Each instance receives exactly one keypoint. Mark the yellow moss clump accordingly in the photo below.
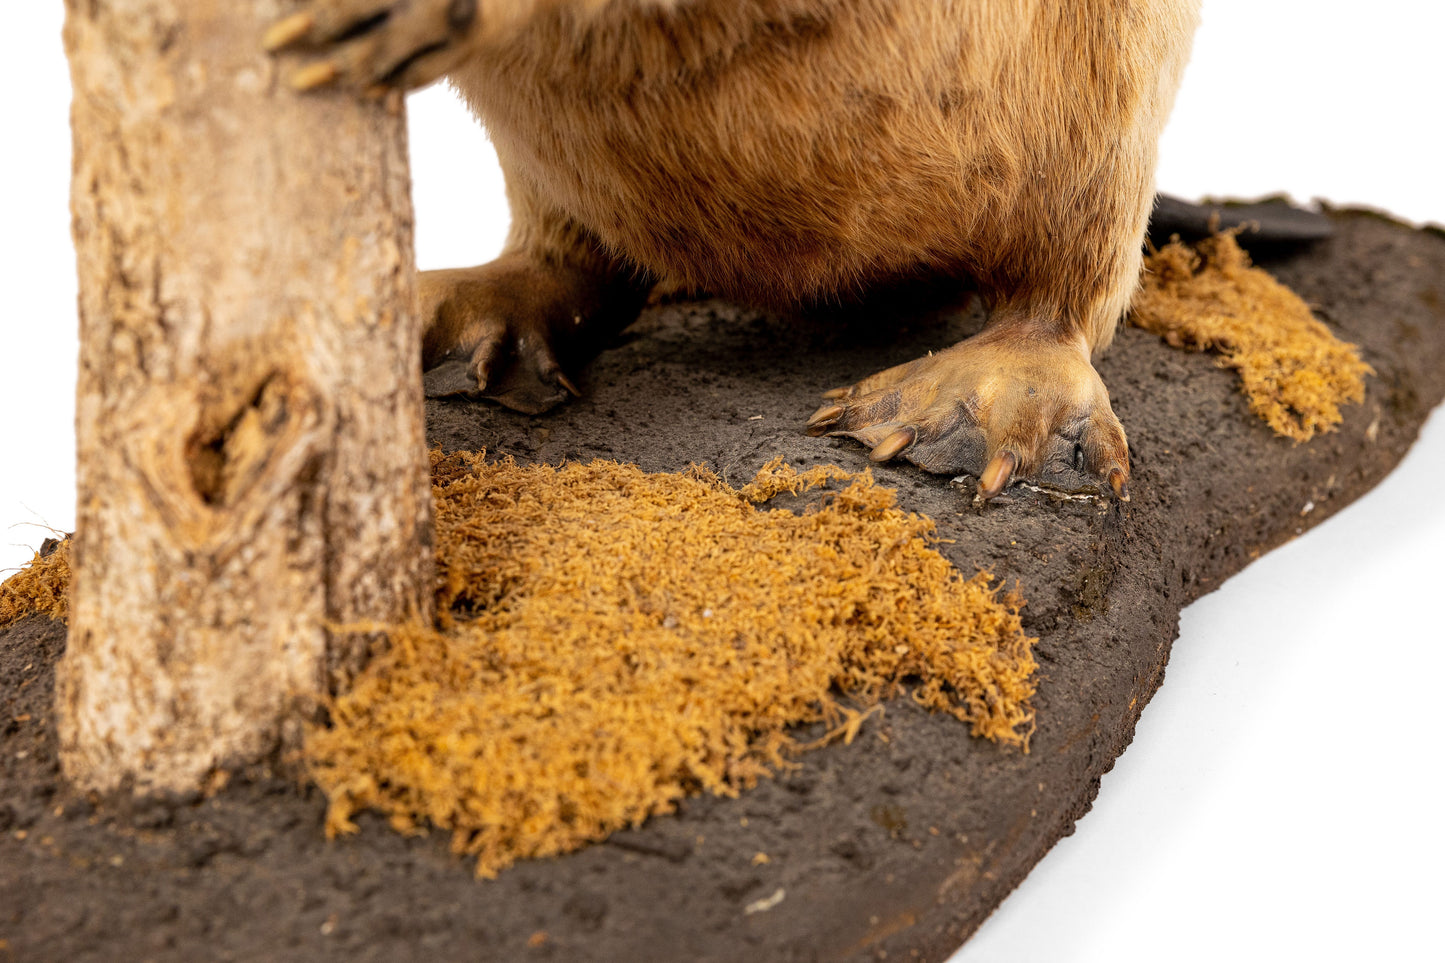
(40, 588)
(1295, 372)
(624, 639)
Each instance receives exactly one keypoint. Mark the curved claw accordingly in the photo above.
(1120, 484)
(893, 444)
(566, 383)
(484, 357)
(996, 476)
(314, 75)
(284, 33)
(824, 416)
(374, 46)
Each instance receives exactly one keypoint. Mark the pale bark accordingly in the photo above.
(251, 463)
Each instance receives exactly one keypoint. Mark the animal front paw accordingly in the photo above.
(375, 45)
(1007, 404)
(507, 330)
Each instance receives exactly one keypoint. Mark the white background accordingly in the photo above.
(1281, 799)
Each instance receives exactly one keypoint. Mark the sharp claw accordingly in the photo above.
(284, 33)
(825, 414)
(313, 76)
(566, 383)
(483, 355)
(1120, 484)
(834, 394)
(893, 444)
(996, 476)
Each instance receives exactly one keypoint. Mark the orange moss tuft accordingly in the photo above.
(612, 640)
(39, 588)
(623, 639)
(1295, 372)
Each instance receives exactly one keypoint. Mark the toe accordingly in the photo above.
(1089, 454)
(889, 378)
(950, 441)
(873, 418)
(549, 369)
(326, 22)
(896, 441)
(486, 356)
(314, 75)
(531, 382)
(566, 384)
(823, 420)
(289, 32)
(905, 418)
(867, 416)
(372, 45)
(997, 475)
(1106, 452)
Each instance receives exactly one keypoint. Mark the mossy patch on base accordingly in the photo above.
(41, 587)
(624, 639)
(1295, 372)
(611, 641)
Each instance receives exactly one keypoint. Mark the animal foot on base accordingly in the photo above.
(496, 331)
(1007, 405)
(509, 330)
(374, 45)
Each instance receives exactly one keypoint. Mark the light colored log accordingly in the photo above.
(251, 454)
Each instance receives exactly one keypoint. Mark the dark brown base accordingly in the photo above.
(902, 842)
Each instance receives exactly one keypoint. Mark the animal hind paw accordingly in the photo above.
(1005, 405)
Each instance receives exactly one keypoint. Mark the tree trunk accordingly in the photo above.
(251, 455)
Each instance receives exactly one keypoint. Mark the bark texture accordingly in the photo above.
(251, 470)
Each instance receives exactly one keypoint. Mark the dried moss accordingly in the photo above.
(611, 641)
(1294, 371)
(633, 638)
(41, 587)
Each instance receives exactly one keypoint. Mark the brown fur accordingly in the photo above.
(770, 150)
(774, 151)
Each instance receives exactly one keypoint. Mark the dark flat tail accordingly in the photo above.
(1272, 225)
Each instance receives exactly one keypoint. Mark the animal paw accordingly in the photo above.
(375, 45)
(1007, 404)
(505, 330)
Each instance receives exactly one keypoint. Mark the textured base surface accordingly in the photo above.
(900, 843)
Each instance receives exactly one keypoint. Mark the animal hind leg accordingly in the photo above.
(1021, 399)
(1058, 260)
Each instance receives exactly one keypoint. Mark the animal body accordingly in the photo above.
(781, 151)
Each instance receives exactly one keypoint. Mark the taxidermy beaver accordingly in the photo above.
(776, 152)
